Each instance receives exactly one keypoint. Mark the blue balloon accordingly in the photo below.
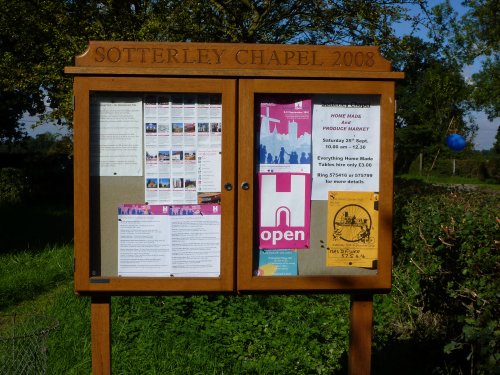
(456, 142)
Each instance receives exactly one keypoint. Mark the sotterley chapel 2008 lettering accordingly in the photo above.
(229, 56)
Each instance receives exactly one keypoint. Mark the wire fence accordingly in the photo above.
(23, 343)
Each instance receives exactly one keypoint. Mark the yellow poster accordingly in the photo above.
(352, 234)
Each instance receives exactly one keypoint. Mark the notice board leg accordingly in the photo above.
(100, 311)
(360, 343)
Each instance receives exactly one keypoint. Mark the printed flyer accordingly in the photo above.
(346, 144)
(169, 240)
(285, 134)
(352, 234)
(116, 137)
(278, 263)
(182, 148)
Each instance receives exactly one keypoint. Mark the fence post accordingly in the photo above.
(100, 312)
(360, 342)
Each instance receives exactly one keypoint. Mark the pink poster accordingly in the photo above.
(284, 221)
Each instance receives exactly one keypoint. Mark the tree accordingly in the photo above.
(23, 36)
(432, 101)
(478, 35)
(496, 146)
(274, 21)
(479, 29)
(486, 92)
(38, 38)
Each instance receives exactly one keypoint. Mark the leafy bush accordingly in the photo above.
(490, 169)
(446, 274)
(13, 186)
(230, 334)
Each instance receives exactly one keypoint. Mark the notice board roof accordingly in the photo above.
(232, 59)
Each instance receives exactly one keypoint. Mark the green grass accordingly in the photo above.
(70, 345)
(25, 275)
(40, 282)
(177, 335)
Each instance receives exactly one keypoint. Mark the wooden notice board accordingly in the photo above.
(232, 168)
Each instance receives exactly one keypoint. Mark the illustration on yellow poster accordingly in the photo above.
(352, 234)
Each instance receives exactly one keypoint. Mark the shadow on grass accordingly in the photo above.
(413, 357)
(32, 227)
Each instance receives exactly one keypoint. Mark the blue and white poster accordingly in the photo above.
(285, 134)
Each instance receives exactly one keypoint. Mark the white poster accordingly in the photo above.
(169, 240)
(144, 245)
(346, 144)
(116, 136)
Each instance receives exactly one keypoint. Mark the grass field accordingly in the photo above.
(178, 335)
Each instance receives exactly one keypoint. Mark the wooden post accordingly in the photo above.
(100, 311)
(360, 343)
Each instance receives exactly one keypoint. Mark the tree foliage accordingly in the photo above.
(486, 93)
(480, 29)
(432, 101)
(479, 37)
(23, 47)
(38, 38)
(496, 145)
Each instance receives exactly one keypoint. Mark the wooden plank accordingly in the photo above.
(360, 344)
(245, 176)
(100, 315)
(81, 152)
(217, 56)
(270, 73)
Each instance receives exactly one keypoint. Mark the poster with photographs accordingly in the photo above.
(182, 148)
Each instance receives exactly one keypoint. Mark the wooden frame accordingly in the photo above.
(85, 282)
(247, 282)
